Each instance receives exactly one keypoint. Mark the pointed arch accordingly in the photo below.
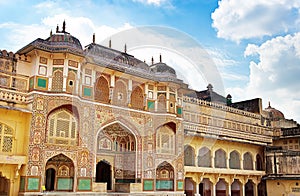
(165, 177)
(137, 98)
(189, 155)
(122, 145)
(120, 93)
(57, 80)
(101, 90)
(62, 126)
(71, 81)
(248, 161)
(234, 160)
(259, 163)
(165, 138)
(161, 102)
(59, 170)
(220, 159)
(204, 157)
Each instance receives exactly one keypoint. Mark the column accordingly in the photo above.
(243, 189)
(197, 189)
(129, 93)
(255, 189)
(213, 191)
(213, 161)
(242, 163)
(167, 99)
(49, 72)
(229, 189)
(227, 161)
(65, 73)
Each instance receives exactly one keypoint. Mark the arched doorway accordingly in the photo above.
(164, 177)
(117, 144)
(205, 187)
(221, 188)
(50, 179)
(235, 188)
(103, 173)
(59, 174)
(249, 188)
(4, 185)
(189, 187)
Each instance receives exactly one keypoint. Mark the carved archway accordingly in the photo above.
(165, 177)
(116, 142)
(59, 173)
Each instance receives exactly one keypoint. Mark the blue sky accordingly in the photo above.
(255, 45)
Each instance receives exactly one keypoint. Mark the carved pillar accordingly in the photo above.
(213, 191)
(243, 189)
(197, 189)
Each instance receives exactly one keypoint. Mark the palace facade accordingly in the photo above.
(96, 120)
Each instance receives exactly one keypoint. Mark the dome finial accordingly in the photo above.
(57, 28)
(160, 60)
(269, 104)
(152, 60)
(94, 38)
(125, 48)
(64, 27)
(109, 43)
(51, 33)
(210, 87)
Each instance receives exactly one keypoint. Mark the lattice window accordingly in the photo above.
(57, 80)
(137, 98)
(165, 139)
(62, 128)
(102, 90)
(6, 138)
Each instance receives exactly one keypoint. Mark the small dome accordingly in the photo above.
(274, 114)
(162, 68)
(62, 39)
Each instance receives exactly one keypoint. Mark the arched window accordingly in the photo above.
(248, 162)
(189, 155)
(62, 128)
(234, 160)
(204, 157)
(161, 100)
(6, 138)
(71, 81)
(57, 80)
(220, 159)
(137, 98)
(101, 90)
(165, 140)
(120, 94)
(259, 164)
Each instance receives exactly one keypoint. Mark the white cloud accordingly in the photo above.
(151, 2)
(80, 27)
(275, 75)
(236, 20)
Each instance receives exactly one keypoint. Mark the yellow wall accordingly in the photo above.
(283, 187)
(12, 164)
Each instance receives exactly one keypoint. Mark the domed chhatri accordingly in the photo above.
(61, 41)
(274, 113)
(162, 68)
